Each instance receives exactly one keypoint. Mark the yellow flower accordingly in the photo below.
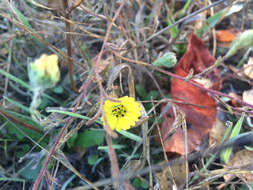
(44, 71)
(122, 115)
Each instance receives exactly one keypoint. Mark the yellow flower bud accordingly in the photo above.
(44, 72)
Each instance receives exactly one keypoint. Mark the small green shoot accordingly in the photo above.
(130, 136)
(139, 184)
(168, 60)
(76, 115)
(92, 159)
(213, 20)
(235, 132)
(244, 40)
(115, 146)
(182, 11)
(58, 90)
(173, 30)
(13, 179)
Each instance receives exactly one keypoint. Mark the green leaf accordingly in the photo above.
(235, 8)
(173, 30)
(92, 159)
(137, 183)
(167, 60)
(140, 90)
(154, 94)
(89, 138)
(71, 141)
(235, 132)
(58, 90)
(23, 150)
(31, 171)
(130, 136)
(213, 20)
(180, 48)
(244, 40)
(44, 103)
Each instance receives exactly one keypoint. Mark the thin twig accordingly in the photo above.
(91, 13)
(69, 44)
(75, 5)
(113, 159)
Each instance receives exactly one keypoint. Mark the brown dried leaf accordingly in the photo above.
(242, 160)
(247, 96)
(115, 73)
(201, 21)
(55, 4)
(217, 133)
(171, 175)
(248, 68)
(103, 64)
(204, 81)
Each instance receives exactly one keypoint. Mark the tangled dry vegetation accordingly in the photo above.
(110, 49)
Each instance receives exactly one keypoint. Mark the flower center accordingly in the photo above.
(119, 110)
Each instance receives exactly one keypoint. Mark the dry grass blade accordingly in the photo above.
(115, 72)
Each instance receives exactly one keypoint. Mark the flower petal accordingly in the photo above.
(128, 112)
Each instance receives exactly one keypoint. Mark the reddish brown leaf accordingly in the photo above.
(200, 108)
